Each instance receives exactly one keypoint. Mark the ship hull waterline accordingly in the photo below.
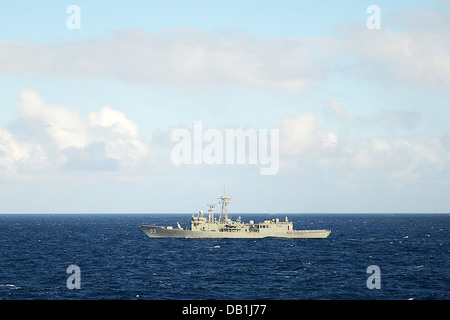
(164, 232)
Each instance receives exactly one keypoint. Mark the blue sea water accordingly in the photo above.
(118, 261)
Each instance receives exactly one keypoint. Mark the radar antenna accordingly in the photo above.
(211, 212)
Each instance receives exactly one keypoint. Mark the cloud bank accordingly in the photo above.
(174, 56)
(189, 56)
(52, 138)
(57, 137)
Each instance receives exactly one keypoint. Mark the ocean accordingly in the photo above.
(116, 260)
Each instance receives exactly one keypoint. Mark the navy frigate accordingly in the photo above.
(202, 226)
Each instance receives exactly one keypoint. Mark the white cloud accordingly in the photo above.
(189, 56)
(304, 137)
(420, 55)
(334, 110)
(120, 135)
(114, 120)
(106, 140)
(62, 125)
(18, 156)
(305, 143)
(174, 56)
(58, 136)
(402, 119)
(398, 158)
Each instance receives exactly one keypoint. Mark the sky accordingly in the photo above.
(352, 96)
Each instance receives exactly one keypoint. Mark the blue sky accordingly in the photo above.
(86, 115)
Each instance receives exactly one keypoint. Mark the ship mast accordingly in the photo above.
(225, 201)
(211, 212)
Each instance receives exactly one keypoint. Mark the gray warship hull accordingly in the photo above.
(165, 232)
